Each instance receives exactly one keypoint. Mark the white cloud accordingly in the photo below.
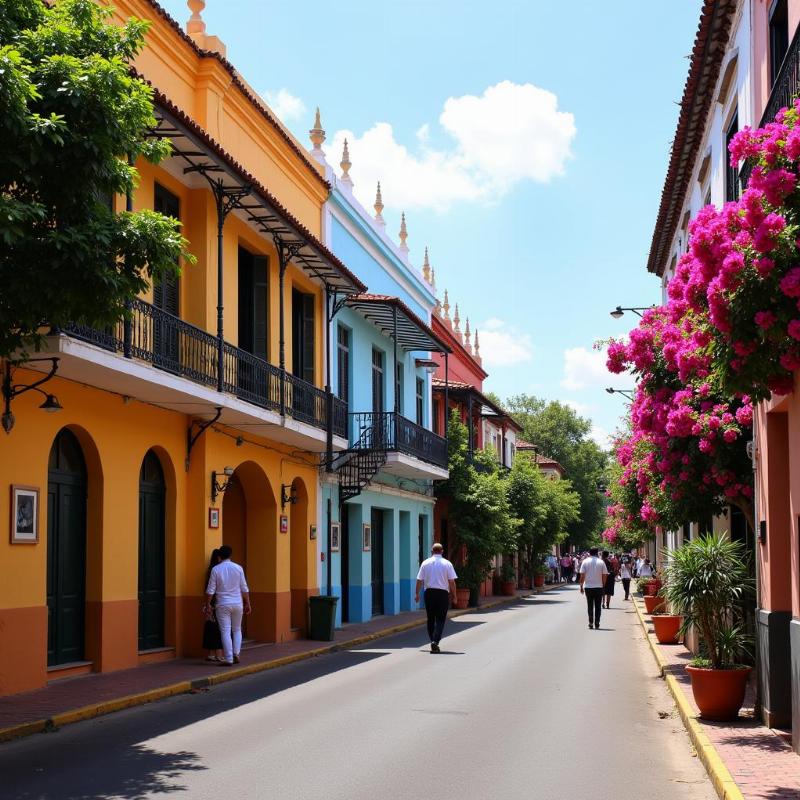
(286, 106)
(510, 133)
(503, 345)
(584, 368)
(601, 436)
(579, 408)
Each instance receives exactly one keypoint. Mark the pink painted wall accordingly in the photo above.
(760, 34)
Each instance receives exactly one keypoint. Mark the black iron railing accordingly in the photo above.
(173, 345)
(388, 431)
(784, 91)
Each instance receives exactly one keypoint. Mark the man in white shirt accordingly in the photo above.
(593, 581)
(228, 584)
(437, 576)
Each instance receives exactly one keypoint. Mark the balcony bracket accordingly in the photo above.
(191, 438)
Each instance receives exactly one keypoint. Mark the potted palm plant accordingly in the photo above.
(540, 571)
(653, 603)
(508, 578)
(706, 581)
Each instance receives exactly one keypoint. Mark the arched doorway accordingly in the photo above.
(66, 550)
(152, 552)
(298, 555)
(249, 517)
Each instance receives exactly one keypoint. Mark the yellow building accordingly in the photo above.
(115, 502)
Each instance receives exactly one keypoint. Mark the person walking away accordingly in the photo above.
(593, 580)
(228, 585)
(625, 575)
(438, 578)
(566, 568)
(611, 578)
(575, 567)
(212, 641)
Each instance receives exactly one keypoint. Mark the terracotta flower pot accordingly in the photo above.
(653, 587)
(508, 588)
(462, 598)
(651, 602)
(719, 693)
(666, 627)
(538, 580)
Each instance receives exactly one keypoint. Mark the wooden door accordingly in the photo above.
(66, 551)
(152, 553)
(377, 562)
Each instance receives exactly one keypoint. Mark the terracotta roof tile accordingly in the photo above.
(709, 49)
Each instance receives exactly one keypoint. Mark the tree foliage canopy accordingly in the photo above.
(560, 433)
(73, 116)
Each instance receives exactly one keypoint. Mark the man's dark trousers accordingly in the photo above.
(594, 602)
(437, 601)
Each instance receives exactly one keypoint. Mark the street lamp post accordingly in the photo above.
(619, 311)
(624, 392)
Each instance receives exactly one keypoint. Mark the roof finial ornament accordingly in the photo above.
(345, 165)
(317, 135)
(403, 233)
(426, 267)
(467, 342)
(457, 324)
(433, 279)
(437, 309)
(196, 29)
(379, 207)
(196, 23)
(446, 307)
(477, 350)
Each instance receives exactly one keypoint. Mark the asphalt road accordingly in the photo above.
(523, 702)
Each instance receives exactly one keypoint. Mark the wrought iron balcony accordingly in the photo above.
(784, 91)
(175, 346)
(388, 431)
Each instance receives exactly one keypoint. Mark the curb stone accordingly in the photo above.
(57, 721)
(721, 778)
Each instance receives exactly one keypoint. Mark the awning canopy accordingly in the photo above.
(459, 390)
(395, 319)
(241, 192)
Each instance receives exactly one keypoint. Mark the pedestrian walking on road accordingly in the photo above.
(228, 586)
(611, 578)
(212, 641)
(625, 575)
(438, 578)
(593, 580)
(566, 568)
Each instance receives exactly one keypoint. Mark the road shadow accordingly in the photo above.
(106, 758)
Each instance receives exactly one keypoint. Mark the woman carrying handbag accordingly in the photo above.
(212, 641)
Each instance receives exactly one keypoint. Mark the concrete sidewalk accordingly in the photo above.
(745, 760)
(74, 699)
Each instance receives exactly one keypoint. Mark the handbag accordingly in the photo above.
(212, 639)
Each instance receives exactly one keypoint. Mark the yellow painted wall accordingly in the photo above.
(202, 87)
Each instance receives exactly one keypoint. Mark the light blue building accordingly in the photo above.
(378, 496)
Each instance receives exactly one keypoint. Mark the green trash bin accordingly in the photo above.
(322, 611)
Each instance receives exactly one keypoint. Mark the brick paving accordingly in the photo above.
(761, 762)
(70, 694)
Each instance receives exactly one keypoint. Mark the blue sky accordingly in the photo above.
(538, 222)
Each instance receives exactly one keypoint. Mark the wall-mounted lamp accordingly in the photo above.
(12, 390)
(288, 495)
(218, 487)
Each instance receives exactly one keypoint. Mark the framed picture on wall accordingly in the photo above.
(213, 518)
(366, 534)
(336, 536)
(312, 532)
(24, 514)
(284, 523)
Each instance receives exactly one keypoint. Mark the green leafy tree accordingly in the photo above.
(560, 433)
(546, 508)
(73, 116)
(479, 507)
